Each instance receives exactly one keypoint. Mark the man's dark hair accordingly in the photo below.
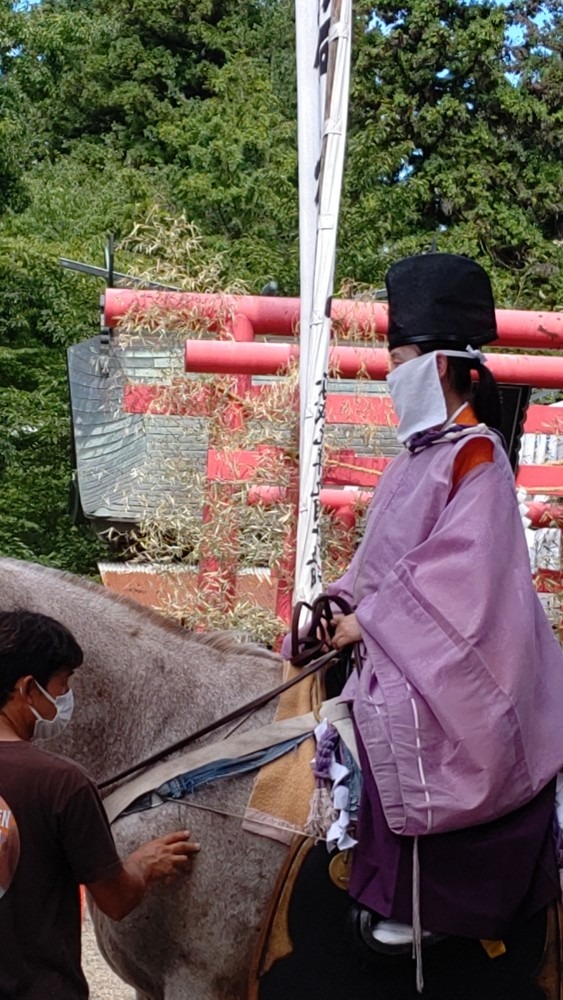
(34, 644)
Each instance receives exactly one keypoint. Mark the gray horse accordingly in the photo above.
(147, 683)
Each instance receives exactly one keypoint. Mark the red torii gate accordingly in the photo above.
(243, 318)
(279, 316)
(233, 358)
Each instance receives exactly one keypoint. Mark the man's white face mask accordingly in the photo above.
(49, 729)
(418, 399)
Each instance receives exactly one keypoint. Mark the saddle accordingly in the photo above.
(310, 949)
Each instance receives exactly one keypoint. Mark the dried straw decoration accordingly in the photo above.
(193, 522)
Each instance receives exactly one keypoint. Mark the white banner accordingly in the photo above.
(323, 35)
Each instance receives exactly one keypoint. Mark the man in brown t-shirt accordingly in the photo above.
(54, 834)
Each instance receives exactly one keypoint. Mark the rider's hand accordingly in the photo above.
(347, 630)
(324, 637)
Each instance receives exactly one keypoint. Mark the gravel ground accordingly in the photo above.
(101, 980)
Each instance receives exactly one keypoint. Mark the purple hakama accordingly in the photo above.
(480, 882)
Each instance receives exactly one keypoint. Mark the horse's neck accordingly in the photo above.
(143, 684)
(160, 688)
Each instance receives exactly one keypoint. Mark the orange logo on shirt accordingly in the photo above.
(9, 846)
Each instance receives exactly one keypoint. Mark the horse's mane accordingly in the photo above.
(222, 640)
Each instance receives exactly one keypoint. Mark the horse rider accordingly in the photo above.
(458, 702)
(54, 834)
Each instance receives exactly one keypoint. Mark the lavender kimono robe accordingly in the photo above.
(459, 706)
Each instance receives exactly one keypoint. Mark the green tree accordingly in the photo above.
(35, 461)
(12, 188)
(456, 137)
(111, 68)
(232, 164)
(198, 97)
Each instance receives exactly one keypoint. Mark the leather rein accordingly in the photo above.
(306, 652)
(250, 706)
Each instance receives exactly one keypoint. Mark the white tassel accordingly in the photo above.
(321, 813)
(416, 923)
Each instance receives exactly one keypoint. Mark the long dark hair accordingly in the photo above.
(483, 393)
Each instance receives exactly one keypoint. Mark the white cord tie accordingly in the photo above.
(473, 352)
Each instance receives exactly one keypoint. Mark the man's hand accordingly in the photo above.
(160, 860)
(347, 630)
(166, 857)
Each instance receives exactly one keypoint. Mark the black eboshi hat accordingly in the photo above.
(440, 297)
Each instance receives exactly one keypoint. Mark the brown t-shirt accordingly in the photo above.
(54, 836)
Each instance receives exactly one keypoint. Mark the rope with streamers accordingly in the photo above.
(322, 812)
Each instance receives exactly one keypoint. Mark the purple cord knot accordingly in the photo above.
(326, 747)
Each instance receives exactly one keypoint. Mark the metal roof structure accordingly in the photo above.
(127, 462)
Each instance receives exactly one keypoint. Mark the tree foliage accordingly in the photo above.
(35, 461)
(110, 69)
(12, 188)
(456, 137)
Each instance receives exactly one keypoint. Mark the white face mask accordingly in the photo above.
(49, 729)
(418, 399)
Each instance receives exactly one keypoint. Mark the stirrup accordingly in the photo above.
(388, 937)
